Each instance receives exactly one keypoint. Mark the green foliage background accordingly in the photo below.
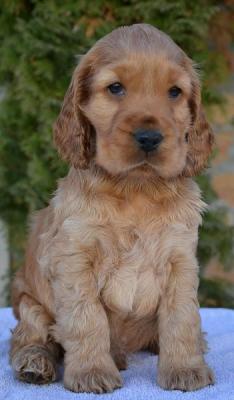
(40, 43)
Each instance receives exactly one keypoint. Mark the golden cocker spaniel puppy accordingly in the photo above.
(111, 265)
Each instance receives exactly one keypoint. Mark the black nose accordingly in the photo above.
(148, 139)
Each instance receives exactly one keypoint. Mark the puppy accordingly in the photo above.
(111, 263)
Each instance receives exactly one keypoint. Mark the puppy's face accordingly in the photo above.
(137, 96)
(139, 108)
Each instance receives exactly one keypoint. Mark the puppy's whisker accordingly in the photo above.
(125, 131)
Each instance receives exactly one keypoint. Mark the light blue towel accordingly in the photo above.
(139, 380)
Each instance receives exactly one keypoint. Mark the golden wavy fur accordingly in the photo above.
(111, 263)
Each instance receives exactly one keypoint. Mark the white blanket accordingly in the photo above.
(139, 380)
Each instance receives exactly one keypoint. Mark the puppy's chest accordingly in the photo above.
(133, 267)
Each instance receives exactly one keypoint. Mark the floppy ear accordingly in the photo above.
(200, 136)
(72, 130)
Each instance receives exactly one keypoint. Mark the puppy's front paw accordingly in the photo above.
(186, 379)
(95, 380)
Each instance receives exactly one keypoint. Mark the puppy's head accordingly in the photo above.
(134, 106)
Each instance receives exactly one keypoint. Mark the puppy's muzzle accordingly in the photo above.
(148, 139)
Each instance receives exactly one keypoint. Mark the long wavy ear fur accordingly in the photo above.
(200, 135)
(72, 130)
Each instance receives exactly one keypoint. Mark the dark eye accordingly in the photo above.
(116, 89)
(174, 92)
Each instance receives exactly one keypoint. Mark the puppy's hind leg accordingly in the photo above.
(33, 352)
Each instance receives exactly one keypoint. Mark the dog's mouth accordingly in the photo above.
(141, 167)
